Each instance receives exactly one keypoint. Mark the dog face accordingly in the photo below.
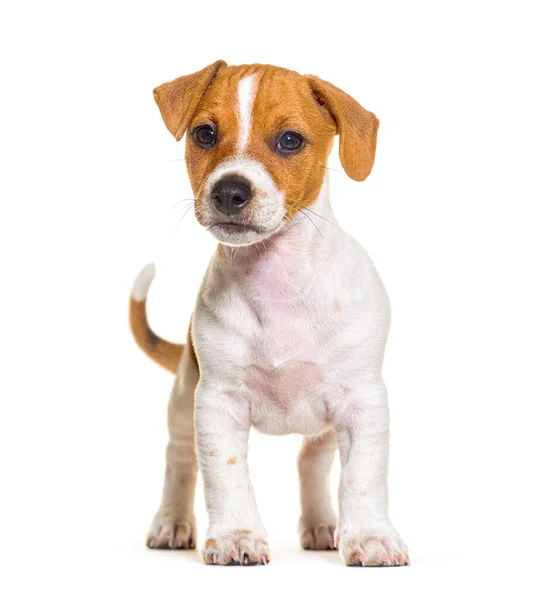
(257, 142)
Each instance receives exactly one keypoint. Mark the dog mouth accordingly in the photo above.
(240, 234)
(231, 228)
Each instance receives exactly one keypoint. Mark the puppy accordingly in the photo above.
(290, 324)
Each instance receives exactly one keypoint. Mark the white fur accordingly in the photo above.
(142, 282)
(246, 96)
(300, 328)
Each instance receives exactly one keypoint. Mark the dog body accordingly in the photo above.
(304, 320)
(290, 325)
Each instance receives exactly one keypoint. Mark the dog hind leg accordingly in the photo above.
(174, 524)
(318, 520)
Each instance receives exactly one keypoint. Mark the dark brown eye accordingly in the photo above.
(205, 136)
(290, 142)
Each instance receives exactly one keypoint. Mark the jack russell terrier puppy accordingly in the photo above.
(290, 324)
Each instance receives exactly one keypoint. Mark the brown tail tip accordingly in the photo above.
(161, 351)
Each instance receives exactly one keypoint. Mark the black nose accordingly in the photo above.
(230, 195)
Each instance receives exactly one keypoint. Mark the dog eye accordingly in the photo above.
(205, 136)
(290, 142)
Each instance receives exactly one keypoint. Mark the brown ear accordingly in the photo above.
(177, 100)
(357, 128)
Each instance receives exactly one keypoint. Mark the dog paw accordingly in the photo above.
(372, 549)
(238, 547)
(167, 532)
(317, 537)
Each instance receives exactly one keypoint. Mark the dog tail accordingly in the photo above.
(159, 350)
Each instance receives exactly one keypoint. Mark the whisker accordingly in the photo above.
(182, 217)
(233, 254)
(306, 215)
(183, 200)
(319, 216)
(257, 246)
(330, 169)
(264, 246)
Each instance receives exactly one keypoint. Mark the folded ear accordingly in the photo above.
(357, 128)
(177, 100)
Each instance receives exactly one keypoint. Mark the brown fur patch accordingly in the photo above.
(177, 100)
(161, 351)
(357, 128)
(243, 532)
(231, 460)
(210, 543)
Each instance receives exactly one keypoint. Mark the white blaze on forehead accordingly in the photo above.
(246, 94)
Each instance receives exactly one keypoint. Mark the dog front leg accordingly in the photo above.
(236, 534)
(365, 535)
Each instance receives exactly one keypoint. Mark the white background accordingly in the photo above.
(456, 216)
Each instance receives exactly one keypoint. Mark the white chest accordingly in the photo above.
(284, 330)
(286, 376)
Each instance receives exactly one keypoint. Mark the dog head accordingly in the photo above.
(257, 141)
